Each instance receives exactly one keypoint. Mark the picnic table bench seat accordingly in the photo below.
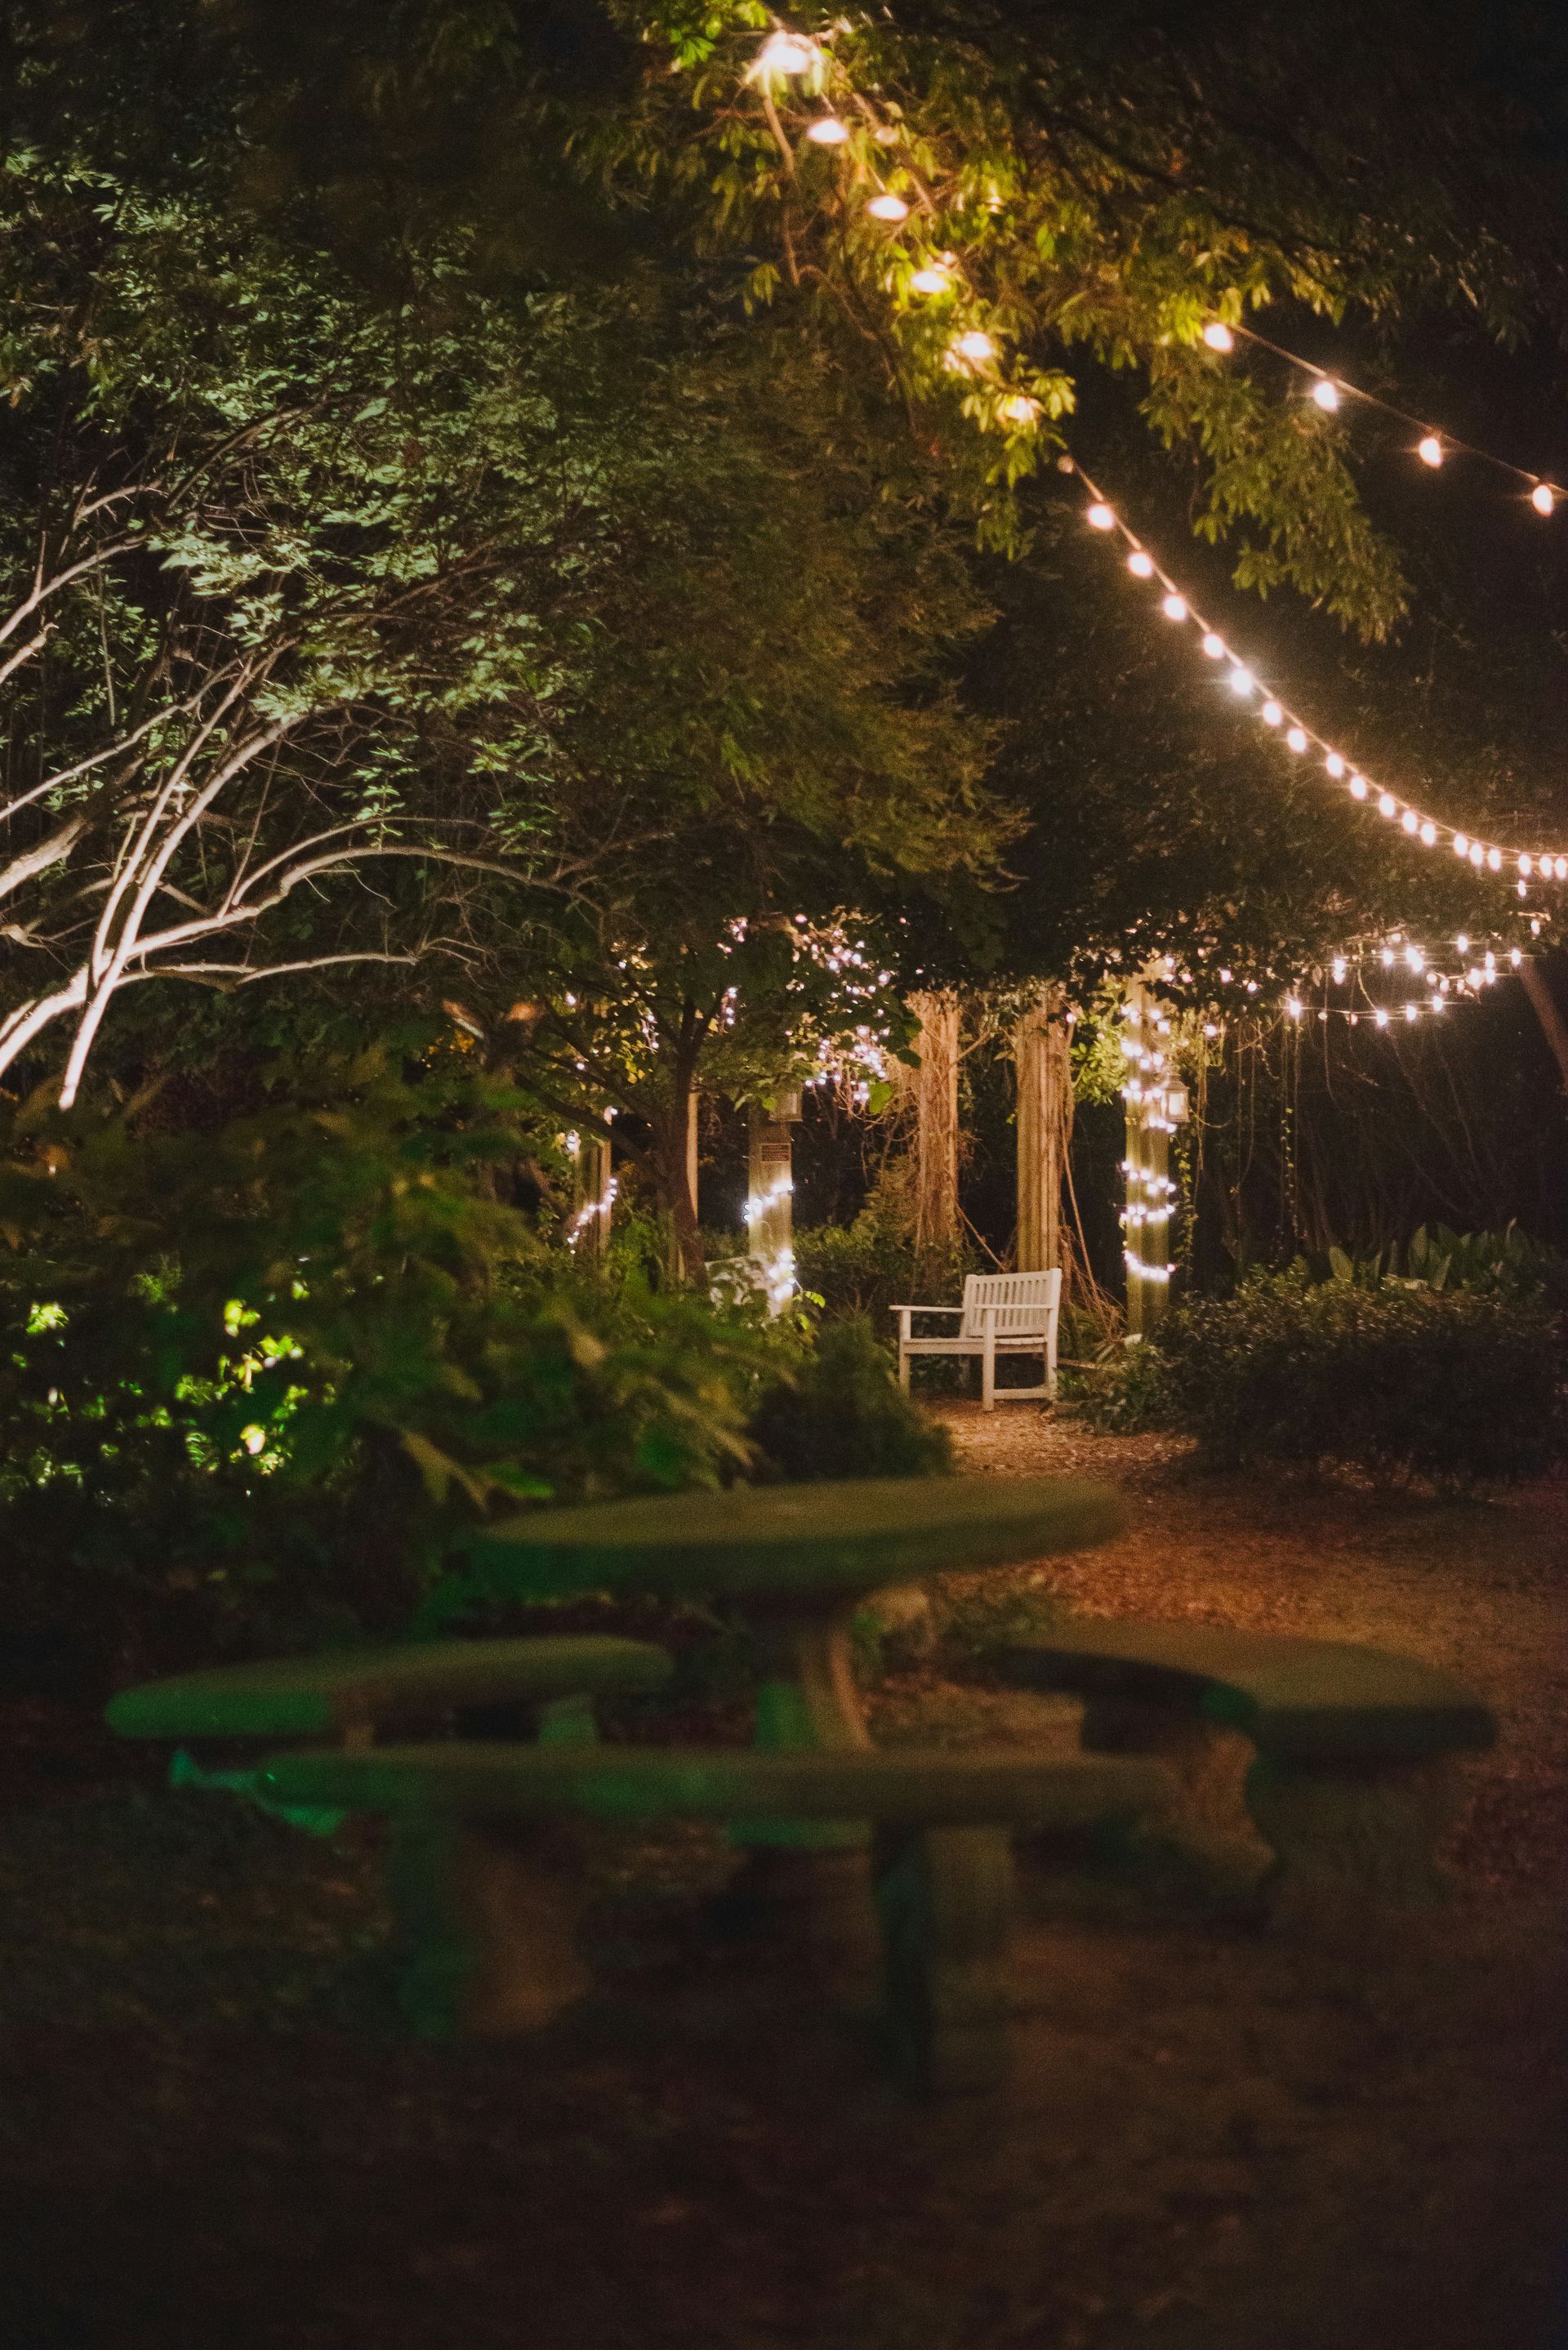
(349, 1693)
(1353, 1780)
(493, 1909)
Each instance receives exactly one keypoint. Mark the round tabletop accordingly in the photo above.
(802, 1546)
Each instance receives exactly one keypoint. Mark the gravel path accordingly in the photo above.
(212, 2132)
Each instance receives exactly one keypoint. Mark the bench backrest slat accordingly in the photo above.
(1024, 1303)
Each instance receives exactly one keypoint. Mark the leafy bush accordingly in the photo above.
(257, 1385)
(1460, 1386)
(267, 1375)
(840, 1412)
(1438, 1258)
(865, 1268)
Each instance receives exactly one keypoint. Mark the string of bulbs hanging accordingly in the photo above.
(1527, 865)
(786, 57)
(1433, 447)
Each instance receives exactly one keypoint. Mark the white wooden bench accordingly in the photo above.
(1001, 1314)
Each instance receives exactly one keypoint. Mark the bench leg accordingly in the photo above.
(946, 1895)
(1350, 1842)
(988, 1377)
(1207, 1765)
(486, 1917)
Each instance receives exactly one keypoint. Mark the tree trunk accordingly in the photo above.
(1043, 1059)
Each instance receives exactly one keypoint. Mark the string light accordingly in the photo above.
(1431, 445)
(1414, 822)
(785, 56)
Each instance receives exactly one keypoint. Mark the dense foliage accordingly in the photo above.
(1459, 1382)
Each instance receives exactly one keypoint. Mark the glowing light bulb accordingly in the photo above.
(1293, 1005)
(1297, 739)
(1218, 335)
(1415, 958)
(887, 207)
(1494, 860)
(1241, 682)
(1272, 716)
(1562, 868)
(1326, 394)
(1334, 765)
(1478, 854)
(1339, 970)
(1412, 1010)
(1140, 565)
(975, 347)
(828, 131)
(1019, 409)
(1213, 646)
(1429, 832)
(1462, 848)
(1359, 788)
(785, 53)
(1410, 821)
(1173, 607)
(1429, 450)
(1462, 942)
(1526, 866)
(1099, 517)
(1382, 1018)
(1514, 957)
(1385, 957)
(932, 279)
(1541, 499)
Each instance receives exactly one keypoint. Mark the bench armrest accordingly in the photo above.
(924, 1309)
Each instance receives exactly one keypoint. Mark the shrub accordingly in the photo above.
(872, 1264)
(840, 1412)
(1458, 1386)
(260, 1380)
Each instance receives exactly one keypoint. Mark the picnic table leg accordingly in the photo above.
(486, 1915)
(945, 1896)
(807, 1882)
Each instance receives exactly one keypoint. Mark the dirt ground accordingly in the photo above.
(212, 2132)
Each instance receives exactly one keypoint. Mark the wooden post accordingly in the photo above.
(770, 1188)
(1043, 1065)
(1146, 1221)
(691, 1099)
(935, 1124)
(593, 1193)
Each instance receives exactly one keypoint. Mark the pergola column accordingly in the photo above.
(593, 1193)
(769, 1215)
(936, 1088)
(1042, 1058)
(1154, 1103)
